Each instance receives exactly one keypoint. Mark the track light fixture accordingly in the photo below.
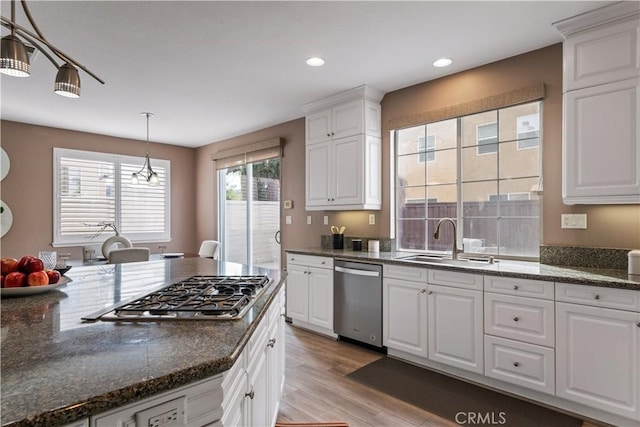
(14, 60)
(146, 172)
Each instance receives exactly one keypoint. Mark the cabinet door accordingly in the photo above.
(347, 160)
(404, 316)
(598, 358)
(258, 396)
(321, 297)
(347, 119)
(318, 177)
(601, 144)
(318, 127)
(298, 293)
(455, 327)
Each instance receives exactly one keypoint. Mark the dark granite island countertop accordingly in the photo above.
(57, 368)
(520, 269)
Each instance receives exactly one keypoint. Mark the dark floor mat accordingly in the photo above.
(456, 400)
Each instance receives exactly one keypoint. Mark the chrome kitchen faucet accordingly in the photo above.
(436, 235)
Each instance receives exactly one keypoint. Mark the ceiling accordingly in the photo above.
(212, 70)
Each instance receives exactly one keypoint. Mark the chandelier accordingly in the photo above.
(146, 172)
(14, 60)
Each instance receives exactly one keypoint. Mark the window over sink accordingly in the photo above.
(482, 170)
(91, 188)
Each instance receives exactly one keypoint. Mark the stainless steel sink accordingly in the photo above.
(436, 259)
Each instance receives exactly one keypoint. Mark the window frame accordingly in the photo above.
(460, 218)
(117, 159)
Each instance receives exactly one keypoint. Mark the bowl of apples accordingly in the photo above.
(28, 276)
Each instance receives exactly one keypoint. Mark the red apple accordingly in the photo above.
(1, 281)
(8, 265)
(15, 280)
(22, 264)
(38, 278)
(54, 276)
(33, 265)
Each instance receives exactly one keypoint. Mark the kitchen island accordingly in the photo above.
(58, 369)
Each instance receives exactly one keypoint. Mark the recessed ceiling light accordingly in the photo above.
(315, 61)
(442, 62)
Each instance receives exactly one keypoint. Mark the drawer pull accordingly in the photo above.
(516, 364)
(430, 292)
(638, 325)
(597, 297)
(515, 319)
(422, 291)
(271, 342)
(250, 395)
(515, 287)
(324, 262)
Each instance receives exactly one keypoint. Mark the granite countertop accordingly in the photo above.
(507, 268)
(57, 368)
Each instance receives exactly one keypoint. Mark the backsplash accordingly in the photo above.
(616, 259)
(386, 245)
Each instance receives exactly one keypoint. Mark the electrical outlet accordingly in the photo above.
(325, 220)
(308, 219)
(574, 221)
(372, 219)
(167, 419)
(288, 219)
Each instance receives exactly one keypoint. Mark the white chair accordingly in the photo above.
(120, 256)
(209, 249)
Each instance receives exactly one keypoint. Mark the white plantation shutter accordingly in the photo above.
(91, 187)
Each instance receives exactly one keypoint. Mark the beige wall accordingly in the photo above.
(608, 226)
(28, 190)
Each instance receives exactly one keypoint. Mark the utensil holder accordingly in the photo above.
(356, 244)
(338, 241)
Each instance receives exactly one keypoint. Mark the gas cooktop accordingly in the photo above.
(195, 298)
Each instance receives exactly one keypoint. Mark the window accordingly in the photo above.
(427, 147)
(487, 138)
(493, 198)
(91, 187)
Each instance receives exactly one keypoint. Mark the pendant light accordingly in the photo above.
(146, 172)
(14, 60)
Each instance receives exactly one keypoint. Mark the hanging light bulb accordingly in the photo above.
(146, 172)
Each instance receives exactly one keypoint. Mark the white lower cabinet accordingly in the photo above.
(404, 316)
(310, 292)
(455, 327)
(598, 358)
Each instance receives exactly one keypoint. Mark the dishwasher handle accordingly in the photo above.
(357, 272)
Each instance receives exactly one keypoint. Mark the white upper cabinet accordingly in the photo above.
(601, 106)
(343, 151)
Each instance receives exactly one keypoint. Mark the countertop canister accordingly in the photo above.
(374, 246)
(634, 262)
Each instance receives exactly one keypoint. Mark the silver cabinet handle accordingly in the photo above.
(324, 262)
(271, 342)
(356, 272)
(429, 292)
(597, 297)
(516, 364)
(422, 291)
(250, 395)
(515, 288)
(638, 325)
(515, 319)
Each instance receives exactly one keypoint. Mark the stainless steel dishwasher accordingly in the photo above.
(357, 297)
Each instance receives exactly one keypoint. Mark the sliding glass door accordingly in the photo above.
(249, 213)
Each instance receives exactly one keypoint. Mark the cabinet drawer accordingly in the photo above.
(310, 260)
(622, 299)
(455, 279)
(526, 365)
(524, 319)
(413, 274)
(520, 287)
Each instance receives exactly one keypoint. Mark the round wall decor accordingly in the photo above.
(5, 164)
(6, 218)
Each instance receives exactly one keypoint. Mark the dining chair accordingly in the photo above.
(120, 256)
(209, 249)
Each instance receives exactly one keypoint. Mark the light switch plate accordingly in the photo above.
(372, 219)
(574, 221)
(326, 220)
(308, 219)
(288, 219)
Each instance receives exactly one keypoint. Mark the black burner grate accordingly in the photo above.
(218, 296)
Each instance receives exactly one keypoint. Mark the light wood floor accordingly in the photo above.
(317, 389)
